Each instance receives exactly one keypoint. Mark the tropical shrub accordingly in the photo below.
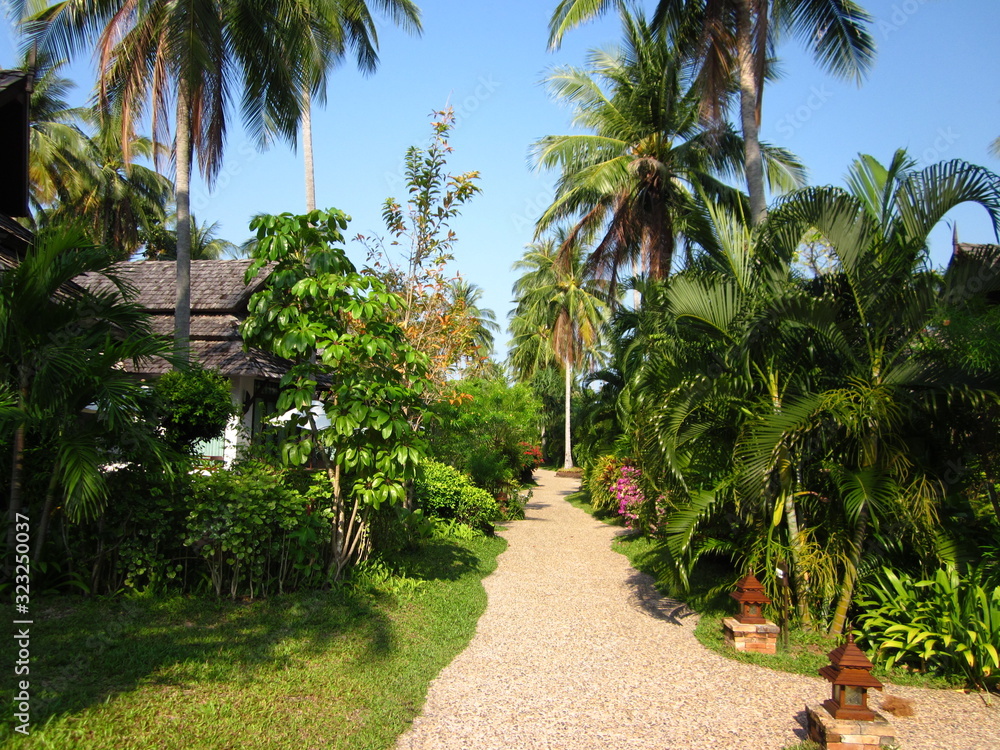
(629, 494)
(254, 533)
(446, 493)
(948, 625)
(600, 482)
(249, 531)
(337, 326)
(194, 404)
(531, 459)
(481, 429)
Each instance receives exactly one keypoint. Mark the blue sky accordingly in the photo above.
(934, 90)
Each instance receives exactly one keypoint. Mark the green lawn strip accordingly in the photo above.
(344, 669)
(805, 651)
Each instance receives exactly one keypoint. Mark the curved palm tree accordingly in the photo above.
(637, 180)
(191, 53)
(558, 319)
(733, 39)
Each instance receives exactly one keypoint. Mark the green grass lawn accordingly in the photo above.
(347, 668)
(800, 652)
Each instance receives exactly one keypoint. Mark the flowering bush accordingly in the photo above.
(531, 455)
(629, 494)
(531, 459)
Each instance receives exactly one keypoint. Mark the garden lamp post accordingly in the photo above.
(850, 673)
(750, 594)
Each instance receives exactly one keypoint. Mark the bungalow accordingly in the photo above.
(219, 299)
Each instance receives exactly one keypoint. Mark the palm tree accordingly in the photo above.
(58, 146)
(482, 322)
(558, 318)
(730, 39)
(161, 243)
(325, 29)
(639, 177)
(61, 349)
(874, 317)
(192, 53)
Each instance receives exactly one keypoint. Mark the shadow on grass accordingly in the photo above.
(85, 651)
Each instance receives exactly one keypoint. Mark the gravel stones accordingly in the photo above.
(576, 651)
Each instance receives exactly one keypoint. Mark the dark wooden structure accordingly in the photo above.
(850, 673)
(751, 597)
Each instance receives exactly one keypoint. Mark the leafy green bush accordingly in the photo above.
(445, 492)
(600, 482)
(948, 625)
(255, 533)
(482, 429)
(193, 404)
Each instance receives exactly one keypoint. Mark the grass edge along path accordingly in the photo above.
(343, 669)
(805, 652)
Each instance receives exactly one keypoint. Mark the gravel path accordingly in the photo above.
(577, 652)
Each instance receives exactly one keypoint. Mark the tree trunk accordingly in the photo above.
(182, 313)
(749, 90)
(795, 552)
(43, 522)
(850, 573)
(307, 152)
(568, 451)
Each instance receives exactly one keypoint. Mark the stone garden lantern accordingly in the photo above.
(749, 631)
(850, 671)
(750, 594)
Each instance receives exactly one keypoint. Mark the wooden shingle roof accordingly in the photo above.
(216, 285)
(219, 300)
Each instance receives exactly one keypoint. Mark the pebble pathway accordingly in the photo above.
(576, 651)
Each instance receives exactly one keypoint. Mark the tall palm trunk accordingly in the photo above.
(307, 152)
(749, 98)
(568, 452)
(182, 313)
(850, 573)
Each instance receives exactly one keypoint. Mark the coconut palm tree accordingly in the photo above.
(77, 172)
(637, 179)
(190, 53)
(161, 243)
(558, 318)
(734, 39)
(482, 322)
(322, 33)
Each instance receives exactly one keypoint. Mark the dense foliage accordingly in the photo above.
(194, 404)
(350, 361)
(485, 427)
(446, 493)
